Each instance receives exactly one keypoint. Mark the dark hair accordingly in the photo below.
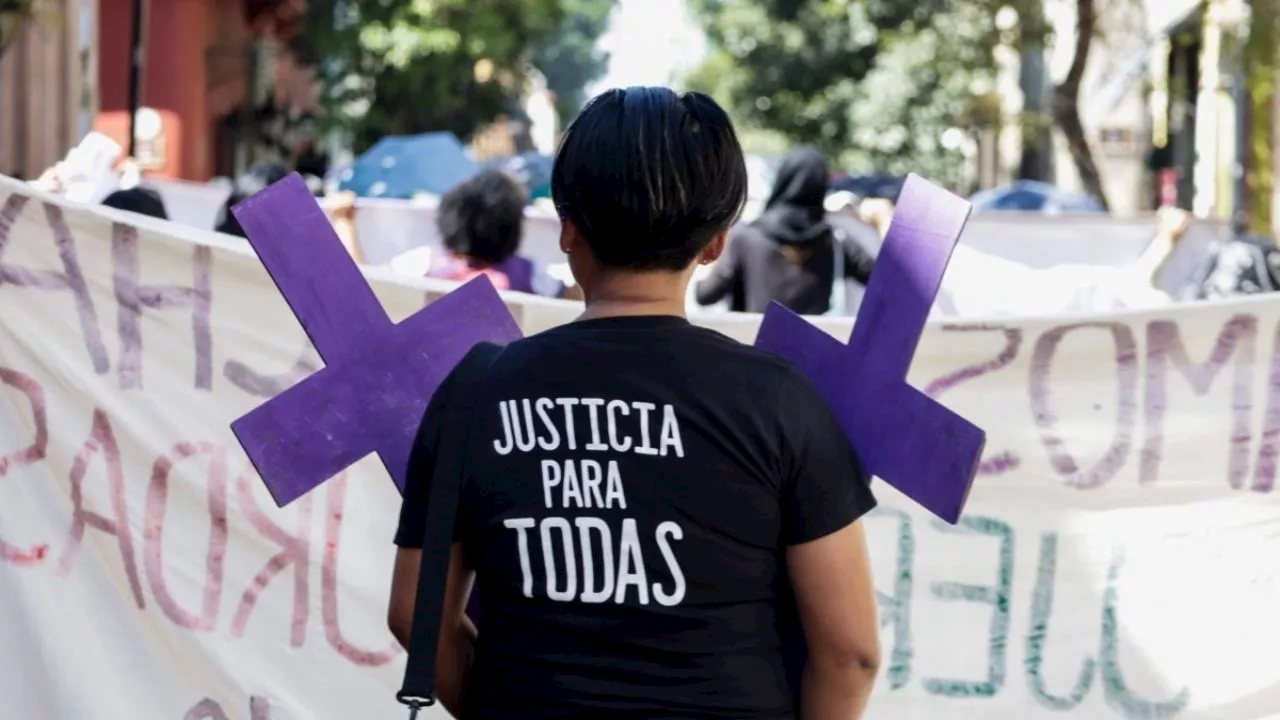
(257, 178)
(649, 177)
(143, 201)
(482, 218)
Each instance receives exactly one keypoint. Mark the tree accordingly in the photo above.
(281, 18)
(569, 59)
(878, 84)
(397, 67)
(1029, 36)
(14, 15)
(1262, 58)
(1066, 103)
(788, 66)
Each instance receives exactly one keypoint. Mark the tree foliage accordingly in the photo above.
(1262, 57)
(392, 67)
(793, 67)
(569, 59)
(15, 14)
(1066, 104)
(878, 83)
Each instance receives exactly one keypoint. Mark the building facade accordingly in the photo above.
(44, 101)
(219, 92)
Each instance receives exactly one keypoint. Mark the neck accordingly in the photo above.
(620, 295)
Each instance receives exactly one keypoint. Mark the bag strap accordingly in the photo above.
(837, 302)
(419, 688)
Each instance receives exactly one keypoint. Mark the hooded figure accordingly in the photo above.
(789, 254)
(794, 215)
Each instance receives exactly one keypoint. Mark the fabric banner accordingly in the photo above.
(1118, 557)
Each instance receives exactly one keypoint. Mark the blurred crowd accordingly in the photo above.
(809, 243)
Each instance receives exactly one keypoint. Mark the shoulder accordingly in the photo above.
(746, 234)
(751, 357)
(765, 377)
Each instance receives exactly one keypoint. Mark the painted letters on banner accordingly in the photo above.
(1118, 557)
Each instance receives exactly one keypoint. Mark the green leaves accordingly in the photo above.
(410, 66)
(14, 15)
(876, 83)
(569, 58)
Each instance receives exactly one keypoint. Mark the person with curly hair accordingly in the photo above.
(481, 222)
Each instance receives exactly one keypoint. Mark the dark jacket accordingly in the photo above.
(788, 254)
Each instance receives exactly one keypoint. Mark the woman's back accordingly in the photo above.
(631, 488)
(788, 254)
(633, 484)
(800, 278)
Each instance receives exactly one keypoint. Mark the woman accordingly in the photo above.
(481, 222)
(646, 502)
(790, 253)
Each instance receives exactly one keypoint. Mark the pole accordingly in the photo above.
(1243, 111)
(135, 75)
(1036, 162)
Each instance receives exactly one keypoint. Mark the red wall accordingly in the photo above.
(174, 77)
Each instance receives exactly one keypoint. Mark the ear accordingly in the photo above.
(570, 238)
(714, 249)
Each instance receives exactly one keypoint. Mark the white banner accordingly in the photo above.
(1118, 558)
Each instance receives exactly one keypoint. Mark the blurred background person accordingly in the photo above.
(342, 214)
(1248, 264)
(310, 161)
(481, 222)
(257, 178)
(791, 254)
(141, 200)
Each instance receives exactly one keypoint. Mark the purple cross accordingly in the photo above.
(902, 436)
(378, 375)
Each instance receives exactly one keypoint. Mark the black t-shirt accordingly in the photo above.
(666, 467)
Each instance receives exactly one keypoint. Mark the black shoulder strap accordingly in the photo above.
(419, 686)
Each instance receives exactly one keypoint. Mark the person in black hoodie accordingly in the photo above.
(788, 254)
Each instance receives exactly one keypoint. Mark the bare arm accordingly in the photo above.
(457, 634)
(831, 577)
(344, 224)
(825, 493)
(1171, 226)
(346, 230)
(878, 213)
